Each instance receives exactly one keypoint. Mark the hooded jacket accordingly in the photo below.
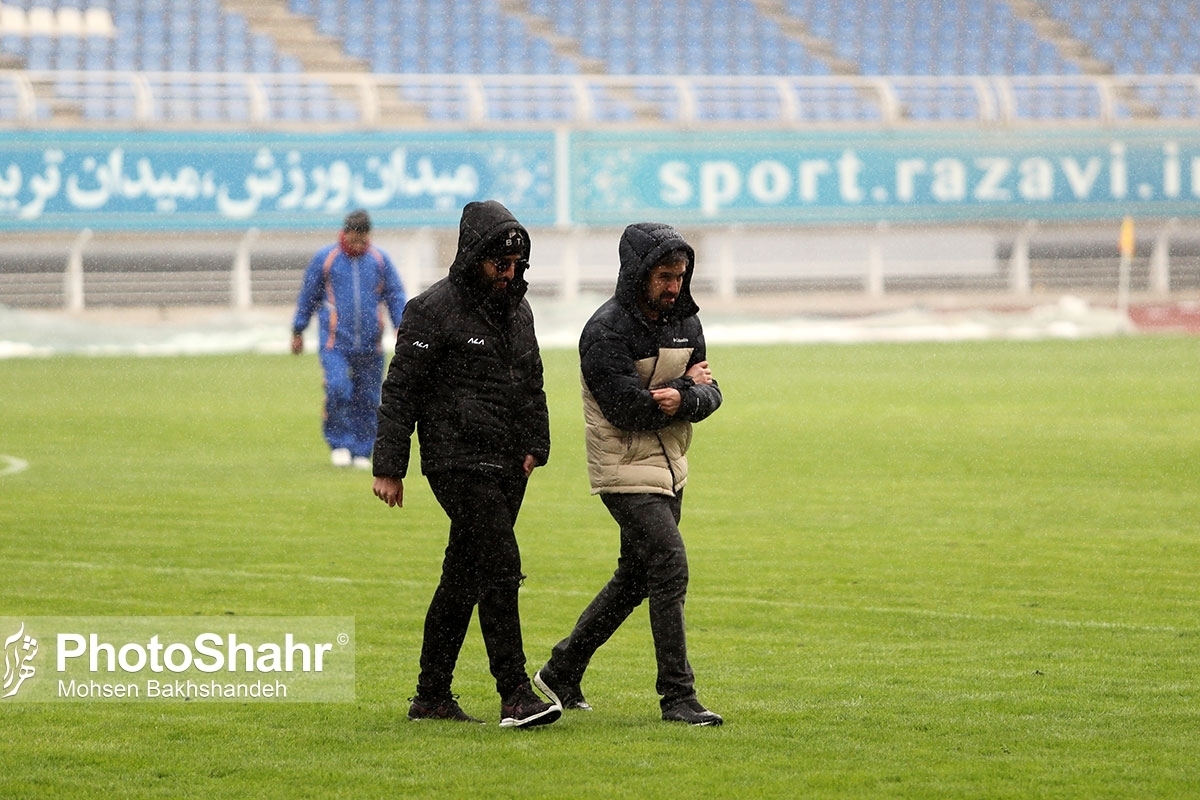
(467, 372)
(632, 445)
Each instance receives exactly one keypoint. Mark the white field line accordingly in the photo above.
(12, 465)
(958, 615)
(539, 590)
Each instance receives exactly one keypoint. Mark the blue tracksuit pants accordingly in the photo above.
(352, 386)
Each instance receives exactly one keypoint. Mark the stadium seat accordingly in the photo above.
(262, 53)
(68, 54)
(634, 37)
(69, 21)
(40, 21)
(40, 53)
(328, 18)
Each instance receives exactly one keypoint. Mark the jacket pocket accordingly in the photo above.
(638, 447)
(483, 423)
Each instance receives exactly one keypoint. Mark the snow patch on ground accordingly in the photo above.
(169, 332)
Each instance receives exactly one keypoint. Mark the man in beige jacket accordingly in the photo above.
(645, 381)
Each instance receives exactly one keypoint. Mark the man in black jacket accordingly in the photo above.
(467, 375)
(645, 381)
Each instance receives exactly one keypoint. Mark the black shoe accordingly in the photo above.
(447, 709)
(691, 712)
(567, 697)
(523, 709)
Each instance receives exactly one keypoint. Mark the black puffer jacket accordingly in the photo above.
(467, 372)
(632, 445)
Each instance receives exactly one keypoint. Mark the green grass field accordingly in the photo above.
(921, 570)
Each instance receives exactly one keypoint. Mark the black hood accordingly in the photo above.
(642, 246)
(482, 225)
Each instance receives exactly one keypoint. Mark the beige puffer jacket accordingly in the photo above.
(636, 462)
(633, 447)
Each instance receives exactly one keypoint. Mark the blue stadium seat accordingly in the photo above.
(383, 55)
(235, 54)
(69, 53)
(13, 45)
(409, 57)
(97, 53)
(262, 53)
(435, 58)
(328, 18)
(40, 53)
(723, 37)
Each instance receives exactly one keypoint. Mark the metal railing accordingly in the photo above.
(367, 100)
(114, 270)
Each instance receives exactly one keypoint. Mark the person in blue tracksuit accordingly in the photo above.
(345, 285)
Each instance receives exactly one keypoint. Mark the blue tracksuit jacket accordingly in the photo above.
(345, 293)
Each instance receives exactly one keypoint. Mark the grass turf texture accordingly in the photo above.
(921, 570)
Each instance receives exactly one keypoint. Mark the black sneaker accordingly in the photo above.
(523, 709)
(447, 709)
(691, 712)
(567, 697)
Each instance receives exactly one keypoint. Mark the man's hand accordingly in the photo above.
(390, 491)
(669, 400)
(530, 464)
(297, 343)
(700, 373)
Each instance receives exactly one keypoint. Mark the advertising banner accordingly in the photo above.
(234, 181)
(190, 181)
(910, 175)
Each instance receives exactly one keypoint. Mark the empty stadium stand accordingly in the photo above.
(671, 62)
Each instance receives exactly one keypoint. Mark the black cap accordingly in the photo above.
(511, 242)
(358, 221)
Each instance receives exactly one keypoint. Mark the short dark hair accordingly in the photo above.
(358, 221)
(677, 256)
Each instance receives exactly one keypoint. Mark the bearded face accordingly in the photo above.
(497, 272)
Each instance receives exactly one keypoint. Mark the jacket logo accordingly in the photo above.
(679, 341)
(422, 345)
(475, 340)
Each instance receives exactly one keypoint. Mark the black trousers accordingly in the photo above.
(652, 564)
(482, 566)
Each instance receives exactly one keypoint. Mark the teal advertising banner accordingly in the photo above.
(233, 181)
(914, 175)
(147, 181)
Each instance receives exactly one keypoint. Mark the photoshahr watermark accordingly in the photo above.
(232, 659)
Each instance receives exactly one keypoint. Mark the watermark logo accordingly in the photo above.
(19, 651)
(237, 659)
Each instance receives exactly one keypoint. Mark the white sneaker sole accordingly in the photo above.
(545, 718)
(541, 684)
